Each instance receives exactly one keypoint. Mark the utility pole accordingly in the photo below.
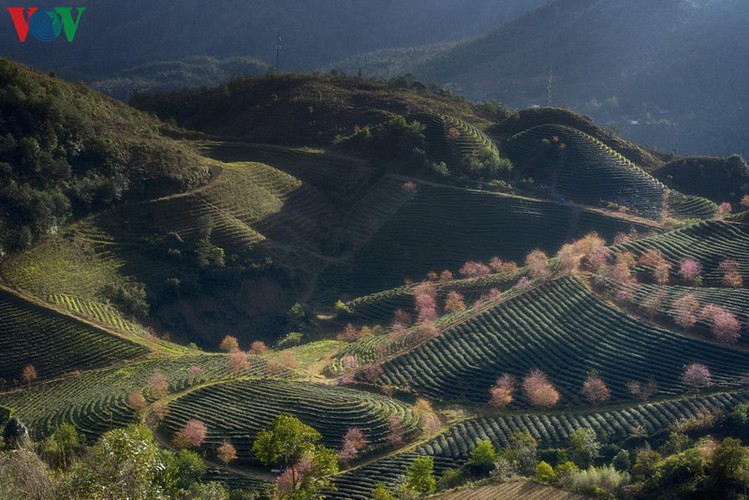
(278, 49)
(549, 86)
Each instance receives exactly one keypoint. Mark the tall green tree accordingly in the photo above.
(308, 465)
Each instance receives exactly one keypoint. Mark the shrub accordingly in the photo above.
(545, 473)
(421, 475)
(596, 481)
(622, 461)
(482, 457)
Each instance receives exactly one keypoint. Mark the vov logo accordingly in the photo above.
(46, 25)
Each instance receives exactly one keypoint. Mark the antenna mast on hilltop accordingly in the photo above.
(278, 49)
(549, 86)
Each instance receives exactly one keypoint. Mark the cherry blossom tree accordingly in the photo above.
(696, 375)
(731, 275)
(238, 361)
(258, 348)
(595, 390)
(685, 309)
(353, 442)
(136, 401)
(158, 386)
(539, 390)
(691, 270)
(503, 390)
(226, 452)
(454, 302)
(537, 261)
(191, 435)
(426, 302)
(229, 344)
(474, 269)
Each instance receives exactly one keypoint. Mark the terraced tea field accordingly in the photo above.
(565, 331)
(451, 139)
(584, 169)
(429, 233)
(709, 242)
(237, 411)
(527, 490)
(97, 401)
(453, 447)
(52, 343)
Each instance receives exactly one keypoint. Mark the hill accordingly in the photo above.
(163, 76)
(297, 109)
(67, 151)
(614, 66)
(313, 34)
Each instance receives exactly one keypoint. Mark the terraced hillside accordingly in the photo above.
(451, 139)
(238, 410)
(96, 402)
(566, 331)
(527, 490)
(581, 168)
(53, 344)
(709, 242)
(453, 447)
(429, 232)
(733, 300)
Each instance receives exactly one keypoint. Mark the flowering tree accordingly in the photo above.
(426, 302)
(656, 262)
(696, 375)
(502, 391)
(454, 302)
(353, 442)
(349, 362)
(402, 316)
(569, 258)
(731, 275)
(29, 374)
(395, 430)
(258, 348)
(156, 415)
(289, 360)
(229, 344)
(348, 334)
(537, 261)
(653, 302)
(499, 266)
(191, 435)
(474, 269)
(539, 391)
(226, 452)
(641, 391)
(158, 386)
(238, 361)
(523, 284)
(684, 310)
(595, 389)
(194, 371)
(725, 208)
(136, 401)
(428, 419)
(690, 270)
(370, 373)
(726, 328)
(446, 275)
(409, 187)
